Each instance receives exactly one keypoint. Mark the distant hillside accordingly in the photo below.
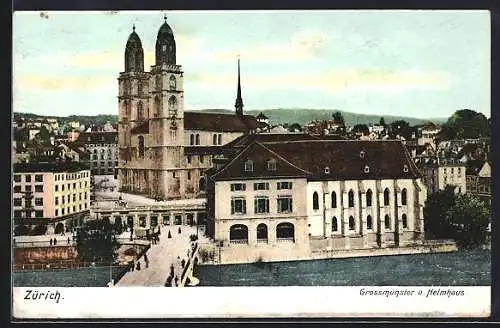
(304, 116)
(276, 116)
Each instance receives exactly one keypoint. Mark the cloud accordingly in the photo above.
(60, 83)
(346, 80)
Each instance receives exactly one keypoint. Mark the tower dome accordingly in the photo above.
(134, 54)
(165, 45)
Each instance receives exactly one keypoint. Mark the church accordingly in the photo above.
(163, 149)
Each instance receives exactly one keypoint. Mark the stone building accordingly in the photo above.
(103, 151)
(441, 172)
(281, 200)
(163, 149)
(50, 193)
(478, 177)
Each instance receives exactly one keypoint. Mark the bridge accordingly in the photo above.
(178, 252)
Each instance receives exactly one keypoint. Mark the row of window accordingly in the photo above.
(103, 151)
(27, 214)
(69, 186)
(27, 202)
(67, 209)
(68, 197)
(71, 176)
(284, 204)
(217, 139)
(95, 163)
(27, 178)
(261, 186)
(350, 196)
(369, 223)
(190, 158)
(28, 188)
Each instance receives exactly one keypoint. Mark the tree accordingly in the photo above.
(381, 122)
(435, 213)
(401, 128)
(361, 128)
(469, 217)
(466, 123)
(96, 242)
(295, 127)
(338, 118)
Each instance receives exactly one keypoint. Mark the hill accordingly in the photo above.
(276, 116)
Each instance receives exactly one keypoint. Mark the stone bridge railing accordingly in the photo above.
(187, 271)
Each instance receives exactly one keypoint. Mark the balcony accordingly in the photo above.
(262, 241)
(239, 241)
(286, 240)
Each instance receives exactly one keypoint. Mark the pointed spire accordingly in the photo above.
(133, 27)
(239, 101)
(165, 17)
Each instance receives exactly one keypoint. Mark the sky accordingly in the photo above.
(423, 64)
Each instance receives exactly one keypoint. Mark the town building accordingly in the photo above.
(478, 177)
(438, 173)
(163, 149)
(102, 148)
(281, 200)
(50, 194)
(429, 133)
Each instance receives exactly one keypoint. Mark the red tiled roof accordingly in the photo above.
(219, 122)
(385, 159)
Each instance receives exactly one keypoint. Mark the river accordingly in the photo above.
(469, 268)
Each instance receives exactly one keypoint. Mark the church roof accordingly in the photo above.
(219, 122)
(165, 29)
(262, 116)
(309, 158)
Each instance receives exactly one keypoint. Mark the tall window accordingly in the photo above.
(315, 201)
(214, 139)
(334, 199)
(219, 139)
(386, 196)
(261, 205)
(191, 139)
(238, 206)
(284, 204)
(249, 166)
(335, 226)
(351, 198)
(157, 107)
(172, 82)
(369, 222)
(197, 139)
(141, 146)
(140, 111)
(352, 224)
(404, 197)
(405, 221)
(369, 195)
(387, 222)
(158, 82)
(139, 88)
(238, 187)
(172, 106)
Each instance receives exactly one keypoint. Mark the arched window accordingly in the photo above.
(352, 224)
(172, 82)
(238, 233)
(219, 139)
(285, 231)
(158, 82)
(141, 146)
(202, 184)
(369, 196)
(315, 201)
(139, 87)
(369, 222)
(172, 106)
(334, 199)
(262, 233)
(351, 198)
(386, 196)
(405, 221)
(197, 139)
(157, 107)
(403, 197)
(140, 111)
(127, 108)
(271, 165)
(126, 87)
(191, 139)
(335, 226)
(215, 139)
(387, 222)
(249, 166)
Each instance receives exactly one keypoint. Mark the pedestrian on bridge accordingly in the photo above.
(69, 240)
(55, 241)
(146, 260)
(50, 241)
(176, 281)
(179, 230)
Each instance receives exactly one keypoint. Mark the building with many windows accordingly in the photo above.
(440, 172)
(102, 148)
(50, 193)
(285, 199)
(164, 150)
(479, 179)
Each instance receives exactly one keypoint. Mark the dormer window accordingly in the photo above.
(362, 154)
(367, 169)
(327, 170)
(405, 168)
(249, 166)
(271, 165)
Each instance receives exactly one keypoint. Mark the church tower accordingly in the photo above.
(239, 101)
(167, 119)
(132, 102)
